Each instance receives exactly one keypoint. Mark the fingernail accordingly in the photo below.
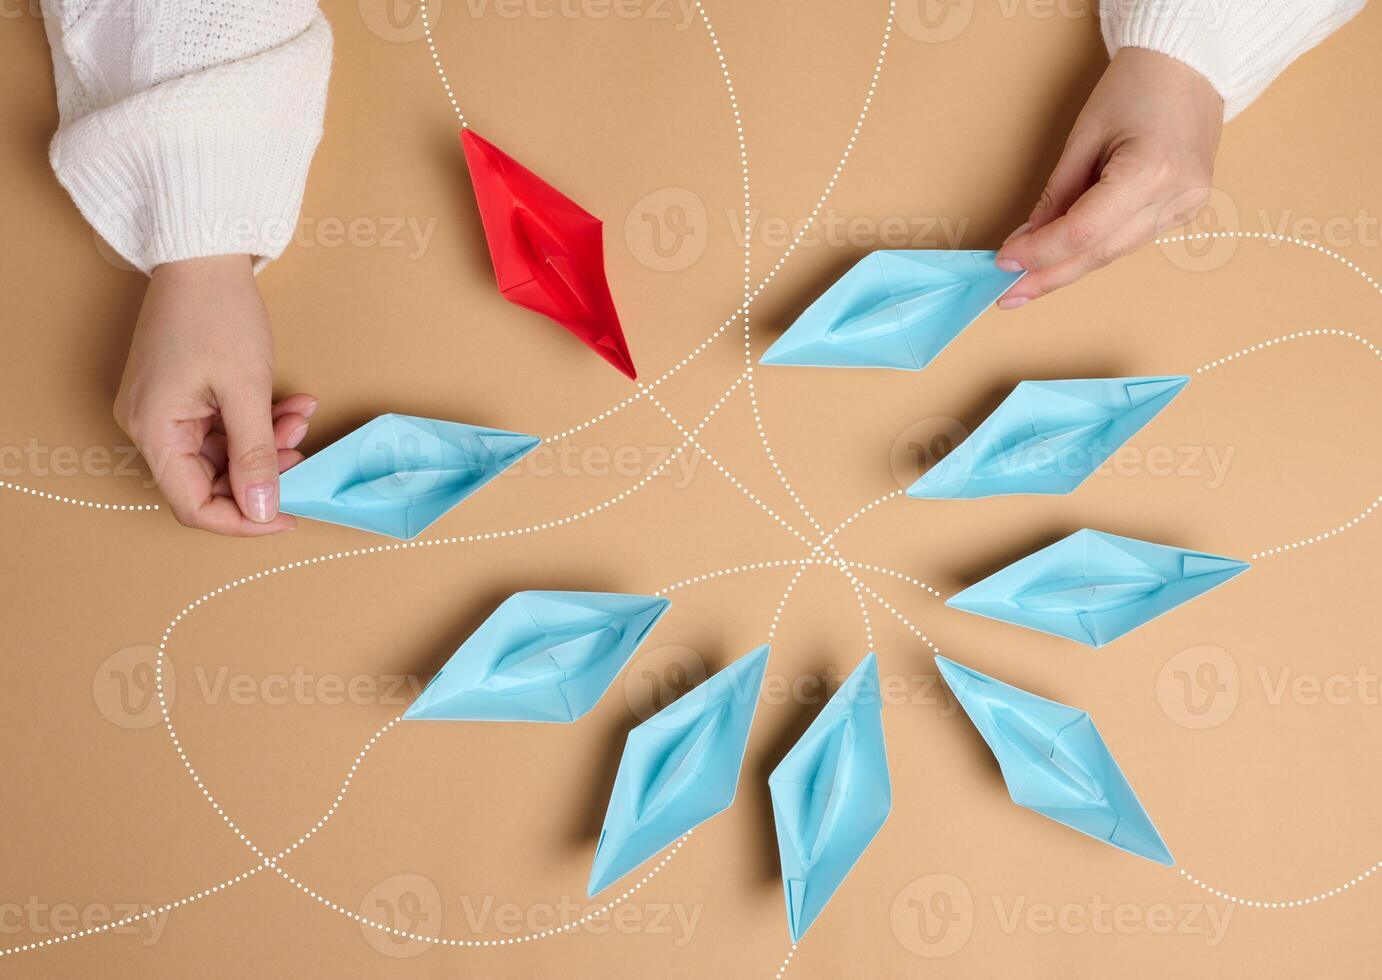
(1012, 302)
(1008, 265)
(311, 407)
(1017, 231)
(297, 436)
(261, 499)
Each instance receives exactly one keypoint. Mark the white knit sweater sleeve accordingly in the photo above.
(1239, 45)
(187, 126)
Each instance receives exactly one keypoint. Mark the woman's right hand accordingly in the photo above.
(197, 398)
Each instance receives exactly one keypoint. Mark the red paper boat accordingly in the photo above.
(548, 252)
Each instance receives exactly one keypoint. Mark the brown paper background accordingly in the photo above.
(1278, 800)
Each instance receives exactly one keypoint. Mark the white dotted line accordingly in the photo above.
(860, 513)
(214, 889)
(340, 794)
(74, 501)
(1268, 236)
(747, 220)
(782, 602)
(1322, 536)
(723, 471)
(859, 598)
(901, 618)
(787, 253)
(738, 569)
(897, 575)
(505, 941)
(645, 389)
(1276, 342)
(747, 225)
(1286, 903)
(1284, 338)
(436, 63)
(1350, 335)
(129, 919)
(844, 157)
(786, 962)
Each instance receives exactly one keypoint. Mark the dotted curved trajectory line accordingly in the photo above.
(1288, 903)
(74, 501)
(1318, 332)
(561, 930)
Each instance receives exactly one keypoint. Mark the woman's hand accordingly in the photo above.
(197, 398)
(1138, 161)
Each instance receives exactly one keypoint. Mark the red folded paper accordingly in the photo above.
(548, 252)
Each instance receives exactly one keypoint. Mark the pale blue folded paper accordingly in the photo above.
(541, 656)
(831, 795)
(894, 309)
(1048, 437)
(1094, 587)
(679, 769)
(397, 474)
(1055, 762)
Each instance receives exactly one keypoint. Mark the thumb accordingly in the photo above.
(251, 452)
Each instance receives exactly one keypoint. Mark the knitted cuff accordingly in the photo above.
(203, 187)
(1240, 46)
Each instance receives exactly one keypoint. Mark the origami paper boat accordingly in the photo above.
(831, 795)
(680, 768)
(548, 252)
(1055, 762)
(894, 309)
(541, 656)
(1094, 587)
(1048, 437)
(397, 474)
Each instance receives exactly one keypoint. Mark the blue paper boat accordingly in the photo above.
(541, 656)
(831, 794)
(1094, 587)
(680, 768)
(397, 474)
(893, 309)
(1048, 437)
(1055, 762)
